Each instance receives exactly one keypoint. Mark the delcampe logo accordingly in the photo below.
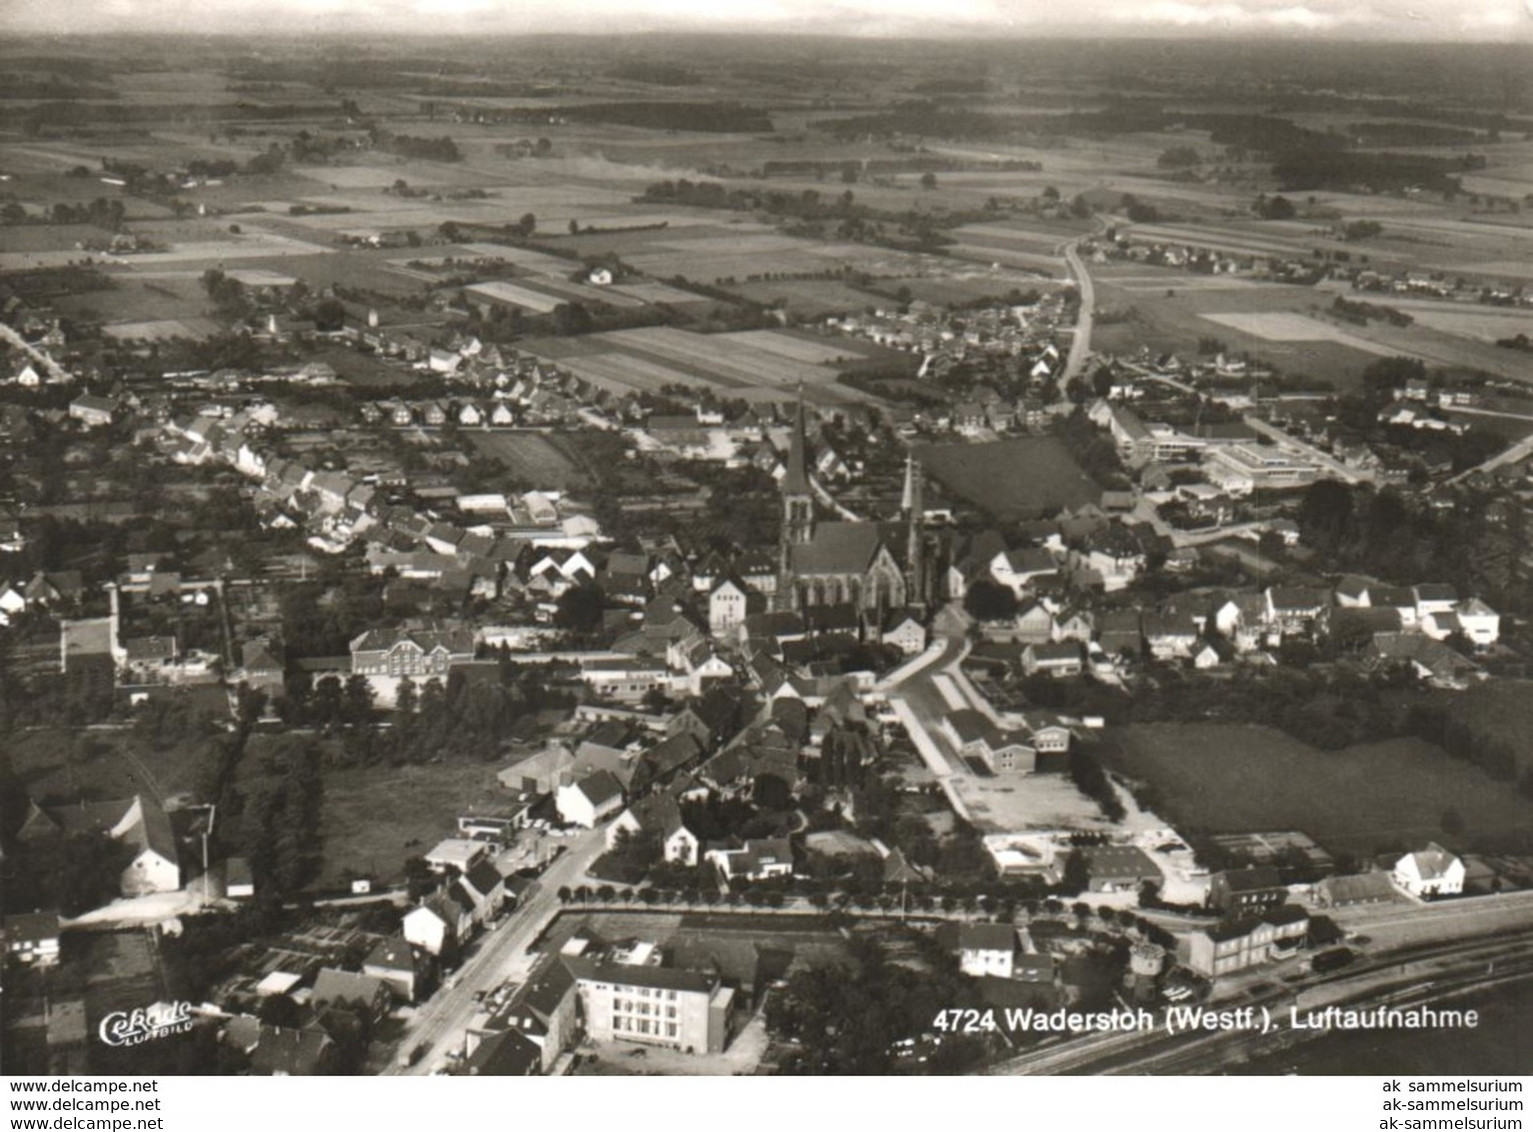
(147, 1023)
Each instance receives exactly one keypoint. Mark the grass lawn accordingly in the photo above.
(1232, 778)
(531, 457)
(68, 764)
(1023, 477)
(1503, 710)
(370, 814)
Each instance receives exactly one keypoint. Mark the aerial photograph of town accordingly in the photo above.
(877, 540)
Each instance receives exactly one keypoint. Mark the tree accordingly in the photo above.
(1325, 512)
(571, 319)
(928, 180)
(1080, 207)
(574, 227)
(987, 600)
(329, 314)
(580, 609)
(527, 225)
(1051, 194)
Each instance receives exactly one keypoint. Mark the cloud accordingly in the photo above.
(1383, 18)
(1229, 16)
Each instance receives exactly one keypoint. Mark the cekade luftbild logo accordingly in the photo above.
(147, 1023)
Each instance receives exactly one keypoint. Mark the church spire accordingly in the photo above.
(913, 506)
(796, 481)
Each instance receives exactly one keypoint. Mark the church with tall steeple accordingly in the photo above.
(877, 567)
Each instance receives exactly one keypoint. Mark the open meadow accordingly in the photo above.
(1232, 778)
(1018, 478)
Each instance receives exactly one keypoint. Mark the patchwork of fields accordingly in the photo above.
(755, 365)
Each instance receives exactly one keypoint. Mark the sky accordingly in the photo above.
(1492, 20)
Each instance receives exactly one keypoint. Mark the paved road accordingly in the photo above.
(440, 1024)
(1080, 341)
(1519, 451)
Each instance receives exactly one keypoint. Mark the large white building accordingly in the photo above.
(1240, 469)
(1431, 872)
(661, 1006)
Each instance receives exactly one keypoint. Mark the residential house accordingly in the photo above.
(138, 822)
(987, 949)
(439, 924)
(92, 411)
(1246, 892)
(542, 1011)
(1118, 868)
(1170, 636)
(1295, 609)
(280, 1051)
(1020, 569)
(399, 966)
(658, 816)
(904, 630)
(756, 859)
(1430, 872)
(1434, 597)
(32, 938)
(1479, 623)
(590, 800)
(504, 1053)
(1053, 658)
(728, 603)
(366, 996)
(486, 888)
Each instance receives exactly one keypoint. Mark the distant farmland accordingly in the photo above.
(1025, 477)
(1232, 778)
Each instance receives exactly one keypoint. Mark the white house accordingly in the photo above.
(1019, 569)
(1431, 872)
(659, 815)
(727, 604)
(591, 800)
(756, 860)
(436, 925)
(1480, 623)
(987, 949)
(905, 632)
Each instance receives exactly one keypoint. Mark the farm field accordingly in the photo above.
(1481, 325)
(806, 298)
(1173, 318)
(532, 457)
(368, 814)
(1286, 326)
(738, 365)
(1019, 478)
(1232, 778)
